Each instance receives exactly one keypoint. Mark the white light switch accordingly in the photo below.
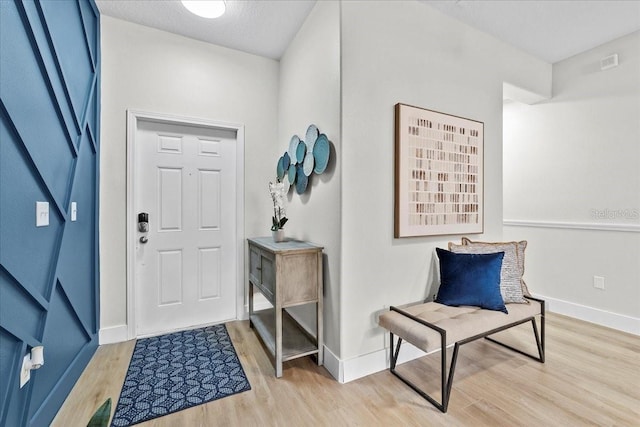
(42, 214)
(74, 211)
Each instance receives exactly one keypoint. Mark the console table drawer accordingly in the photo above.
(262, 271)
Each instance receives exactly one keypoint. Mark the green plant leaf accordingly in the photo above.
(101, 416)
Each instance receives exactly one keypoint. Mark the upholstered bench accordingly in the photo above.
(432, 326)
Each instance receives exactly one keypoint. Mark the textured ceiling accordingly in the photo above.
(550, 30)
(261, 27)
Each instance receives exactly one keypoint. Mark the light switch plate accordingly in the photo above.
(74, 211)
(42, 214)
(25, 371)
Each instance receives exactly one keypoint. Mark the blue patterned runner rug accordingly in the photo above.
(176, 371)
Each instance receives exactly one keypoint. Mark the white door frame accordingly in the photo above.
(133, 116)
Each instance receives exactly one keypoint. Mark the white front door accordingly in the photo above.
(185, 180)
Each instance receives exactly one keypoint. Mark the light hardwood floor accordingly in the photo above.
(591, 378)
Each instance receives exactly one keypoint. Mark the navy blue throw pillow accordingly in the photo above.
(470, 279)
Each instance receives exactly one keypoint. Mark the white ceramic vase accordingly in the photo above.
(278, 235)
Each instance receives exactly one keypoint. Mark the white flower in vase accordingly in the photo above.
(279, 210)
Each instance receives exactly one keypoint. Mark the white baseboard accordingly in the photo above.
(360, 366)
(259, 303)
(593, 315)
(367, 364)
(332, 364)
(115, 334)
(112, 334)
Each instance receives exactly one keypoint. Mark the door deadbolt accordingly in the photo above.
(143, 222)
(143, 226)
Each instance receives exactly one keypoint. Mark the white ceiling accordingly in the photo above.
(551, 30)
(261, 27)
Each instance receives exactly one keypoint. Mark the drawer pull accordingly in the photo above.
(258, 268)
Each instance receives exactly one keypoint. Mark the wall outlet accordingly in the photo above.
(598, 282)
(25, 370)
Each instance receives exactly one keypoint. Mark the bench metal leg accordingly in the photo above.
(447, 381)
(540, 338)
(539, 343)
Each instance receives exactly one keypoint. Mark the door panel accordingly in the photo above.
(186, 272)
(209, 273)
(170, 203)
(209, 199)
(170, 279)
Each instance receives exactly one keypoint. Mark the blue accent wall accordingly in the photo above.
(49, 152)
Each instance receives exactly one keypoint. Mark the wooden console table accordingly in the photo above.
(287, 274)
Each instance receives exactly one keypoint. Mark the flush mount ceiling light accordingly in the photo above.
(205, 8)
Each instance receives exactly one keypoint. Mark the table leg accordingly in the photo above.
(278, 355)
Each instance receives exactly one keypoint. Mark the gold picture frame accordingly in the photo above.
(439, 173)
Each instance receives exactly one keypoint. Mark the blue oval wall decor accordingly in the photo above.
(311, 136)
(300, 152)
(292, 174)
(307, 166)
(280, 169)
(293, 147)
(321, 154)
(304, 158)
(301, 180)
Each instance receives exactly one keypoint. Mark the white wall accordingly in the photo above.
(310, 94)
(574, 161)
(406, 51)
(151, 70)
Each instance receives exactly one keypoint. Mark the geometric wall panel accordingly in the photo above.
(90, 20)
(18, 211)
(26, 95)
(61, 315)
(49, 276)
(9, 347)
(19, 315)
(64, 19)
(76, 269)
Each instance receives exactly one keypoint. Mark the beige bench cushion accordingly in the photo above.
(459, 322)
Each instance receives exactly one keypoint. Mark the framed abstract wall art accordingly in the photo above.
(438, 173)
